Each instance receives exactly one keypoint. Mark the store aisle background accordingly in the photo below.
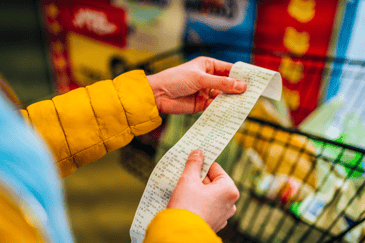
(101, 197)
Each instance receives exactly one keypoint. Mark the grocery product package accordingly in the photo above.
(83, 39)
(340, 121)
(155, 26)
(340, 166)
(260, 221)
(348, 47)
(251, 173)
(296, 195)
(282, 152)
(297, 44)
(91, 41)
(335, 210)
(225, 26)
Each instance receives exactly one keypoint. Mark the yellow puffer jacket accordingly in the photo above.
(83, 125)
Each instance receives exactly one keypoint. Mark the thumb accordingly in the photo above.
(225, 84)
(216, 172)
(194, 164)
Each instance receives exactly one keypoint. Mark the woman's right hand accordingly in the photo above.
(213, 198)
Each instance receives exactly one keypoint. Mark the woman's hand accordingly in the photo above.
(213, 198)
(187, 87)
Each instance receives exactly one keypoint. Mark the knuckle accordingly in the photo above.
(227, 83)
(184, 178)
(194, 159)
(234, 210)
(208, 64)
(224, 225)
(201, 58)
(234, 193)
(224, 82)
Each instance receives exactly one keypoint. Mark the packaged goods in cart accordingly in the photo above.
(265, 222)
(251, 173)
(281, 151)
(335, 206)
(332, 212)
(349, 202)
(340, 121)
(332, 206)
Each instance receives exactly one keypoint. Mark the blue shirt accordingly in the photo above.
(29, 170)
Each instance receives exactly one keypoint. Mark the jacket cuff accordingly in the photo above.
(179, 225)
(138, 101)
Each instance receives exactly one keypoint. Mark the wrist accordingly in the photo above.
(152, 82)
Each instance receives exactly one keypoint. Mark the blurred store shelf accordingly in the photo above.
(102, 199)
(23, 61)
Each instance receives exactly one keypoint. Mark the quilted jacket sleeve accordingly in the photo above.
(83, 125)
(179, 225)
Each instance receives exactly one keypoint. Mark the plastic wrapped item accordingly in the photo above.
(335, 200)
(330, 210)
(322, 209)
(348, 201)
(281, 151)
(313, 205)
(263, 222)
(338, 121)
(251, 172)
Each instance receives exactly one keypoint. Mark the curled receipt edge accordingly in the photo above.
(210, 133)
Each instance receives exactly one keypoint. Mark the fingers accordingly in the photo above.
(234, 210)
(216, 171)
(206, 180)
(218, 67)
(225, 84)
(202, 100)
(194, 164)
(218, 175)
(222, 226)
(215, 93)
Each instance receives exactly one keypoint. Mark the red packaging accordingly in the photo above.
(296, 34)
(98, 22)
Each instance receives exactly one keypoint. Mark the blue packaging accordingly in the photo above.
(350, 45)
(227, 26)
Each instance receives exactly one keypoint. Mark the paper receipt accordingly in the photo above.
(210, 133)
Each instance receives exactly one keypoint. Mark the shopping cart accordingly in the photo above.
(269, 218)
(259, 219)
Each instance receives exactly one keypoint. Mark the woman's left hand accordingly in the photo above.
(187, 88)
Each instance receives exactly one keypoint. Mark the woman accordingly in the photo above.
(83, 125)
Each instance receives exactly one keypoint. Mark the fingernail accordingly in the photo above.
(196, 152)
(239, 86)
